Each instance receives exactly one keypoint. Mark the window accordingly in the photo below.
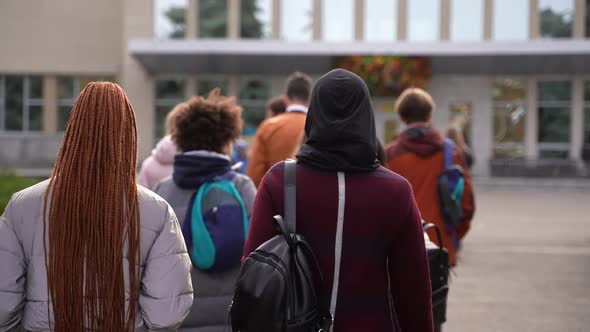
(170, 19)
(587, 18)
(511, 19)
(296, 19)
(556, 18)
(256, 19)
(554, 118)
(423, 20)
(21, 103)
(380, 20)
(68, 89)
(254, 92)
(467, 20)
(509, 117)
(212, 18)
(338, 20)
(169, 93)
(206, 84)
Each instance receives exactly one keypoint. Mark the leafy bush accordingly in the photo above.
(11, 183)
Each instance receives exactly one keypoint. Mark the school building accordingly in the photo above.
(515, 74)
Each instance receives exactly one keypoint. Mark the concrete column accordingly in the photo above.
(534, 25)
(402, 14)
(50, 107)
(488, 19)
(531, 121)
(192, 18)
(577, 119)
(139, 85)
(233, 19)
(317, 20)
(233, 86)
(580, 19)
(190, 89)
(445, 19)
(276, 19)
(359, 19)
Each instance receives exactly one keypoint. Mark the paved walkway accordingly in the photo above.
(525, 266)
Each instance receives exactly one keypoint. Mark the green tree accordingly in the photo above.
(556, 25)
(212, 20)
(251, 27)
(177, 17)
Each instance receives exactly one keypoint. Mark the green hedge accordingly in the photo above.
(11, 183)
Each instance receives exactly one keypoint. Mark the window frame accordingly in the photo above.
(27, 102)
(166, 102)
(503, 103)
(562, 147)
(394, 26)
(573, 17)
(210, 77)
(245, 103)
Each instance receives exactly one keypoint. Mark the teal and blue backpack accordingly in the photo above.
(216, 225)
(451, 184)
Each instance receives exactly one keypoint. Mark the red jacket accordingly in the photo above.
(381, 227)
(418, 156)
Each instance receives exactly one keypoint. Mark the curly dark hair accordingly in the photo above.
(207, 123)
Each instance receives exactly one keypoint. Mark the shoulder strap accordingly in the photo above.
(290, 195)
(338, 244)
(449, 148)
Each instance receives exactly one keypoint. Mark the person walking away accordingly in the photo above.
(214, 203)
(158, 165)
(455, 133)
(277, 138)
(240, 155)
(276, 106)
(88, 249)
(380, 223)
(418, 156)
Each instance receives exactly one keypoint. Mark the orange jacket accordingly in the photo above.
(277, 139)
(420, 160)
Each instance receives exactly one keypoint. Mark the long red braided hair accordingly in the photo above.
(91, 216)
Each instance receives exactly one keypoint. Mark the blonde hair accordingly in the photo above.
(454, 133)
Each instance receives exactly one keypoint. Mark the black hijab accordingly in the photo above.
(340, 125)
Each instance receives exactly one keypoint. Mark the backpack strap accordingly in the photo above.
(448, 149)
(290, 195)
(338, 245)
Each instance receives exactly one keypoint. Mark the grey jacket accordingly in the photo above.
(213, 291)
(165, 295)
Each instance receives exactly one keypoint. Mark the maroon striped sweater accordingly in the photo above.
(381, 222)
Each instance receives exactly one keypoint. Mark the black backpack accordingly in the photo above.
(279, 285)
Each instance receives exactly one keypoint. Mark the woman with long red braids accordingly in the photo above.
(89, 250)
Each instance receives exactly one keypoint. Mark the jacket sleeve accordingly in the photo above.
(12, 276)
(166, 294)
(409, 273)
(468, 201)
(258, 163)
(261, 224)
